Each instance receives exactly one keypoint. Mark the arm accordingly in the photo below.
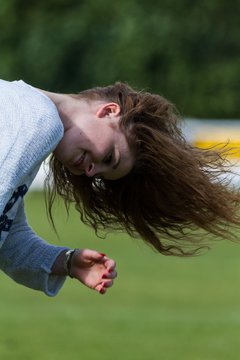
(28, 259)
(32, 262)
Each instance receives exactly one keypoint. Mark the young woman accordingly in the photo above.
(120, 156)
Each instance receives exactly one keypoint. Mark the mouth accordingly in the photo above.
(79, 161)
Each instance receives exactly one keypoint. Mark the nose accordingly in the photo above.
(91, 170)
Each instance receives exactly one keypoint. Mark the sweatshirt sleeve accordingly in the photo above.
(30, 128)
(28, 259)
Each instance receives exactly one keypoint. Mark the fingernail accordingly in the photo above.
(102, 254)
(101, 291)
(104, 276)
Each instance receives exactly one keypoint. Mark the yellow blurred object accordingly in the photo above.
(218, 137)
(206, 144)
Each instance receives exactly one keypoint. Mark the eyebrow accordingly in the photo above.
(115, 166)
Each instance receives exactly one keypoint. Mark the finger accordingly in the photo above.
(101, 288)
(103, 291)
(102, 254)
(110, 275)
(108, 284)
(92, 254)
(110, 265)
(104, 285)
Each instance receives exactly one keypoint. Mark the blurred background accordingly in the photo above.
(188, 51)
(160, 308)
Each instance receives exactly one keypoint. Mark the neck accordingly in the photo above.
(61, 102)
(55, 97)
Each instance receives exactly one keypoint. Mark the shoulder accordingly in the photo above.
(25, 108)
(30, 129)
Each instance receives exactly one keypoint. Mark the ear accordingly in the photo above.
(108, 110)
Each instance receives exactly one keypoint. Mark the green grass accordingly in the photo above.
(159, 308)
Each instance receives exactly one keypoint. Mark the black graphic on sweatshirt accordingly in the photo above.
(5, 222)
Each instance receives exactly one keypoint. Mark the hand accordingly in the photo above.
(93, 269)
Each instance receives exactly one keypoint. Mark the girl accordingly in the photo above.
(120, 156)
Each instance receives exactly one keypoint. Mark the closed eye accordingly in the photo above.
(108, 159)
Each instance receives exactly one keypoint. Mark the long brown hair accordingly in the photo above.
(174, 190)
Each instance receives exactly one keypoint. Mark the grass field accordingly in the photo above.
(160, 307)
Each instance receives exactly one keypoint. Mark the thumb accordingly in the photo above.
(92, 254)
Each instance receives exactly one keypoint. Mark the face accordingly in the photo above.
(93, 144)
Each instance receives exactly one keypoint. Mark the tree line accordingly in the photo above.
(187, 51)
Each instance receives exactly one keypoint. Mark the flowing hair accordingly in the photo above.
(174, 196)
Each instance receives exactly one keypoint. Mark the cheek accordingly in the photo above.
(64, 149)
(59, 151)
(101, 146)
